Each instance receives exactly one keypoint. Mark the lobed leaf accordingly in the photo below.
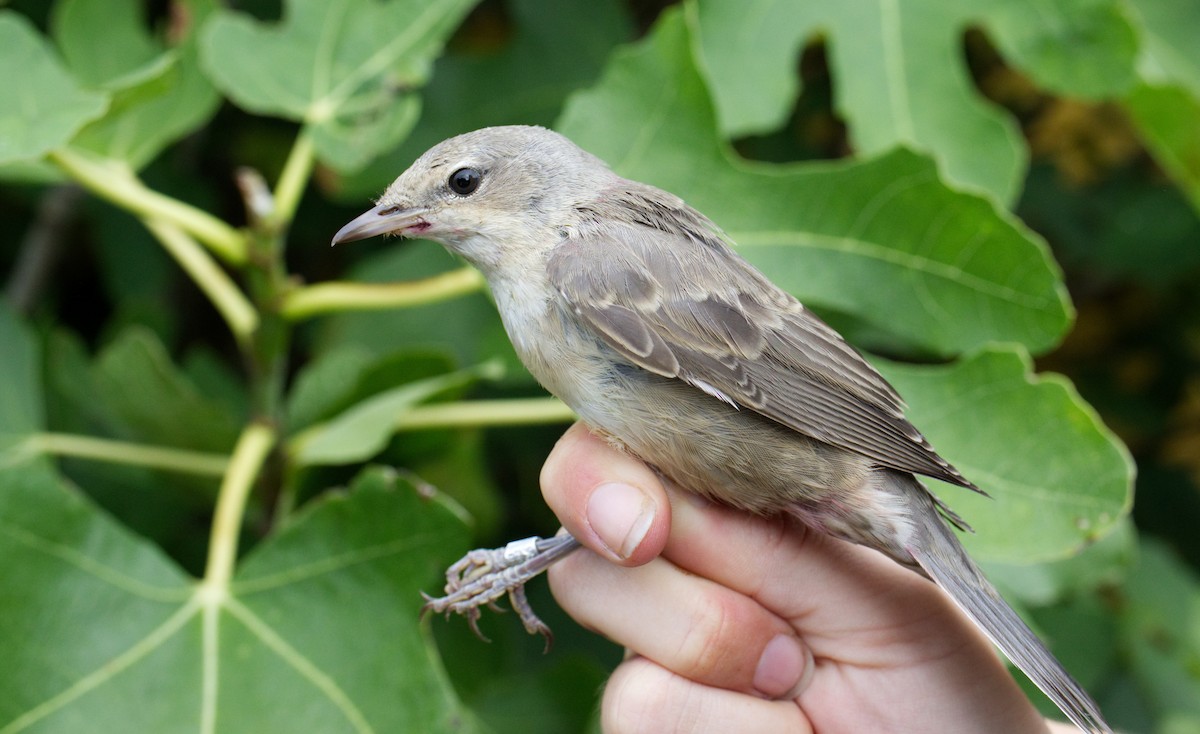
(883, 240)
(1168, 118)
(41, 105)
(1165, 107)
(899, 76)
(1058, 478)
(509, 84)
(319, 630)
(1076, 48)
(159, 92)
(346, 68)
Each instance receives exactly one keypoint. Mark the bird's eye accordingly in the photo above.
(464, 181)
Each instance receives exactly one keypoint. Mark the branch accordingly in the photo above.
(247, 461)
(308, 301)
(125, 452)
(118, 184)
(292, 180)
(234, 307)
(518, 412)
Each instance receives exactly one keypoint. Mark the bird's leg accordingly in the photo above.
(484, 575)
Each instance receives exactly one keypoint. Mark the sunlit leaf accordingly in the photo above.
(318, 631)
(883, 240)
(41, 105)
(346, 68)
(1058, 478)
(159, 93)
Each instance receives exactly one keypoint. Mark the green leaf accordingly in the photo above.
(145, 397)
(324, 383)
(346, 68)
(319, 630)
(123, 54)
(159, 93)
(334, 381)
(1103, 563)
(899, 76)
(510, 84)
(883, 240)
(1168, 119)
(1058, 478)
(20, 383)
(41, 106)
(1166, 106)
(363, 430)
(21, 411)
(456, 462)
(1076, 48)
(1167, 31)
(1161, 626)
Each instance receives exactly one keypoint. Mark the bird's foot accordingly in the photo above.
(483, 576)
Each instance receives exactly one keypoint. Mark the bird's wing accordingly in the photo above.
(680, 303)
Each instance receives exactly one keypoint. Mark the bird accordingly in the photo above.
(637, 312)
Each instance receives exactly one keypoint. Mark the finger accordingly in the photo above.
(610, 501)
(686, 623)
(644, 698)
(849, 602)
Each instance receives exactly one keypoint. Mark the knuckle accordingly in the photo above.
(643, 698)
(707, 652)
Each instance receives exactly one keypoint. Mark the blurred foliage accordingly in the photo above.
(230, 457)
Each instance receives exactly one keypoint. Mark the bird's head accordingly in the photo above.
(486, 193)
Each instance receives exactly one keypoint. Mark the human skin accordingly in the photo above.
(726, 616)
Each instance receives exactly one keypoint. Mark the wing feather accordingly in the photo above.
(682, 304)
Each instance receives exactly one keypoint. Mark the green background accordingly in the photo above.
(231, 458)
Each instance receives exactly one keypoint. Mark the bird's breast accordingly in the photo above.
(731, 455)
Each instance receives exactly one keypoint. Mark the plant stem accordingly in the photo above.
(518, 412)
(125, 452)
(292, 181)
(114, 181)
(237, 311)
(251, 451)
(313, 300)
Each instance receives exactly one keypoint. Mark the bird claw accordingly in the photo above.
(483, 576)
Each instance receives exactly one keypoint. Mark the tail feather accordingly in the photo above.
(940, 554)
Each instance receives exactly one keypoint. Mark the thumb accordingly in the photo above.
(610, 501)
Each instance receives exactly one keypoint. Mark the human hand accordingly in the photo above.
(740, 623)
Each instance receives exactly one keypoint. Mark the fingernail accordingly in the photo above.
(784, 668)
(621, 516)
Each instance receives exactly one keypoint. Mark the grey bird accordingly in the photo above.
(633, 309)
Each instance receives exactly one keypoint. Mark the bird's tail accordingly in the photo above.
(941, 555)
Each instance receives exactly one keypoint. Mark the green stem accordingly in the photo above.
(237, 311)
(251, 451)
(124, 452)
(518, 412)
(313, 300)
(115, 182)
(292, 180)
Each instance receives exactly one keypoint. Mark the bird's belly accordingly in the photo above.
(731, 455)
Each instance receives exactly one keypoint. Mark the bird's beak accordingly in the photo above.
(383, 219)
